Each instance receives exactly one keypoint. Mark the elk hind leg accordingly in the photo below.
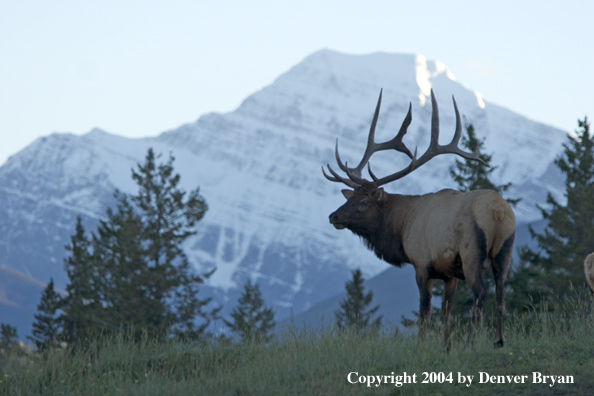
(473, 262)
(475, 282)
(501, 263)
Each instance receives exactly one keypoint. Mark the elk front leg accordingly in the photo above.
(446, 309)
(426, 291)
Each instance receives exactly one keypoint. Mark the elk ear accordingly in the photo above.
(347, 193)
(381, 194)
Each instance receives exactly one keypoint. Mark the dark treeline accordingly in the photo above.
(554, 272)
(131, 275)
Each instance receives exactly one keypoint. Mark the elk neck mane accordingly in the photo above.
(386, 240)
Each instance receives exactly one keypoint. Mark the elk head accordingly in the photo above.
(363, 209)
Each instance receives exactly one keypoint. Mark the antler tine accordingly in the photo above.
(453, 146)
(371, 145)
(353, 176)
(435, 148)
(396, 143)
(458, 132)
(338, 160)
(375, 179)
(338, 178)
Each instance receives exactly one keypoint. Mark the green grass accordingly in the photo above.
(317, 363)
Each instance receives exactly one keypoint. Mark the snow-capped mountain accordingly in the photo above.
(259, 169)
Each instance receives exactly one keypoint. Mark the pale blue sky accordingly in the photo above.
(137, 68)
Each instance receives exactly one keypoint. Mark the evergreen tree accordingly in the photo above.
(82, 306)
(133, 273)
(354, 314)
(252, 320)
(126, 292)
(555, 270)
(8, 338)
(46, 327)
(473, 175)
(168, 216)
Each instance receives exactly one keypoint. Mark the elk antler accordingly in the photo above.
(354, 174)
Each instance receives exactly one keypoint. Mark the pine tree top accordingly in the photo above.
(354, 313)
(252, 321)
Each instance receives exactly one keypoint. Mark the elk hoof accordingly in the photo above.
(498, 344)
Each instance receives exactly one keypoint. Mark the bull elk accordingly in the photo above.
(589, 270)
(447, 235)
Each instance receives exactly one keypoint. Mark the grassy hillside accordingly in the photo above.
(559, 344)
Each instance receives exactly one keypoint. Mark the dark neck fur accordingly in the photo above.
(386, 239)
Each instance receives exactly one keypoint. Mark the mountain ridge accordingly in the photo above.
(259, 169)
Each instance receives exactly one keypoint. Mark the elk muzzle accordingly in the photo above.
(334, 220)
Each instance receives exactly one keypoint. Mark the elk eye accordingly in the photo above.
(363, 204)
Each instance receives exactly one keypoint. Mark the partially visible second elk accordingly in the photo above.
(589, 270)
(447, 235)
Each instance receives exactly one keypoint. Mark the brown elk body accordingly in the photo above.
(447, 235)
(589, 270)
